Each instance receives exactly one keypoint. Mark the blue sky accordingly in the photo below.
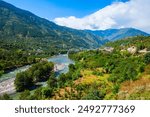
(51, 9)
(91, 14)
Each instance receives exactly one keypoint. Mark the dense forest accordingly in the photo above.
(12, 57)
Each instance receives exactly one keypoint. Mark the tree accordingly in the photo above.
(41, 71)
(47, 92)
(23, 81)
(5, 97)
(147, 58)
(116, 88)
(72, 67)
(37, 73)
(25, 95)
(94, 94)
(61, 80)
(37, 94)
(52, 81)
(129, 72)
(42, 93)
(1, 72)
(109, 66)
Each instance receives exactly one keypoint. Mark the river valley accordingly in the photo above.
(7, 80)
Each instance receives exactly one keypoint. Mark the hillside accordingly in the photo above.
(109, 64)
(33, 32)
(117, 34)
(102, 75)
(118, 74)
(25, 38)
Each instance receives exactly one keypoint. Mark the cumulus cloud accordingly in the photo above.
(134, 13)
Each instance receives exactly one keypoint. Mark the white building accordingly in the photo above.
(132, 50)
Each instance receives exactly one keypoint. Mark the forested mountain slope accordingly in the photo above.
(117, 34)
(24, 37)
(33, 32)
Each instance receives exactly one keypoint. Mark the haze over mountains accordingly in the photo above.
(17, 25)
(117, 34)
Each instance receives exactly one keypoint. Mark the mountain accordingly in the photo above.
(116, 34)
(24, 29)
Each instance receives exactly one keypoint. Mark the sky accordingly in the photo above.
(91, 14)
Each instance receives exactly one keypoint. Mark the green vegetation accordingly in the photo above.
(141, 42)
(37, 73)
(24, 82)
(147, 58)
(12, 58)
(120, 66)
(98, 75)
(5, 97)
(23, 29)
(25, 38)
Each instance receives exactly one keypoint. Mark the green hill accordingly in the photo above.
(25, 37)
(102, 74)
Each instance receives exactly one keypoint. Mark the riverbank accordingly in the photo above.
(12, 74)
(7, 80)
(7, 86)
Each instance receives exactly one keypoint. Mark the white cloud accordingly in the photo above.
(135, 13)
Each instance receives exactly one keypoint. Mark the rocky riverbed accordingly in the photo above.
(7, 80)
(7, 86)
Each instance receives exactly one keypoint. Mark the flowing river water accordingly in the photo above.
(7, 80)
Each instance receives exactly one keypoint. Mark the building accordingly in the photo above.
(143, 51)
(132, 50)
(108, 49)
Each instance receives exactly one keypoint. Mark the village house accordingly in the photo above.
(132, 50)
(143, 51)
(107, 49)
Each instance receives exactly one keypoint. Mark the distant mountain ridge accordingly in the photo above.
(117, 34)
(25, 30)
(19, 25)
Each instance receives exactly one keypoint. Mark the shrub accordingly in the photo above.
(116, 88)
(147, 58)
(23, 81)
(5, 97)
(46, 92)
(25, 95)
(38, 72)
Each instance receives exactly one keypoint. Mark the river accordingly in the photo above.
(7, 80)
(61, 63)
